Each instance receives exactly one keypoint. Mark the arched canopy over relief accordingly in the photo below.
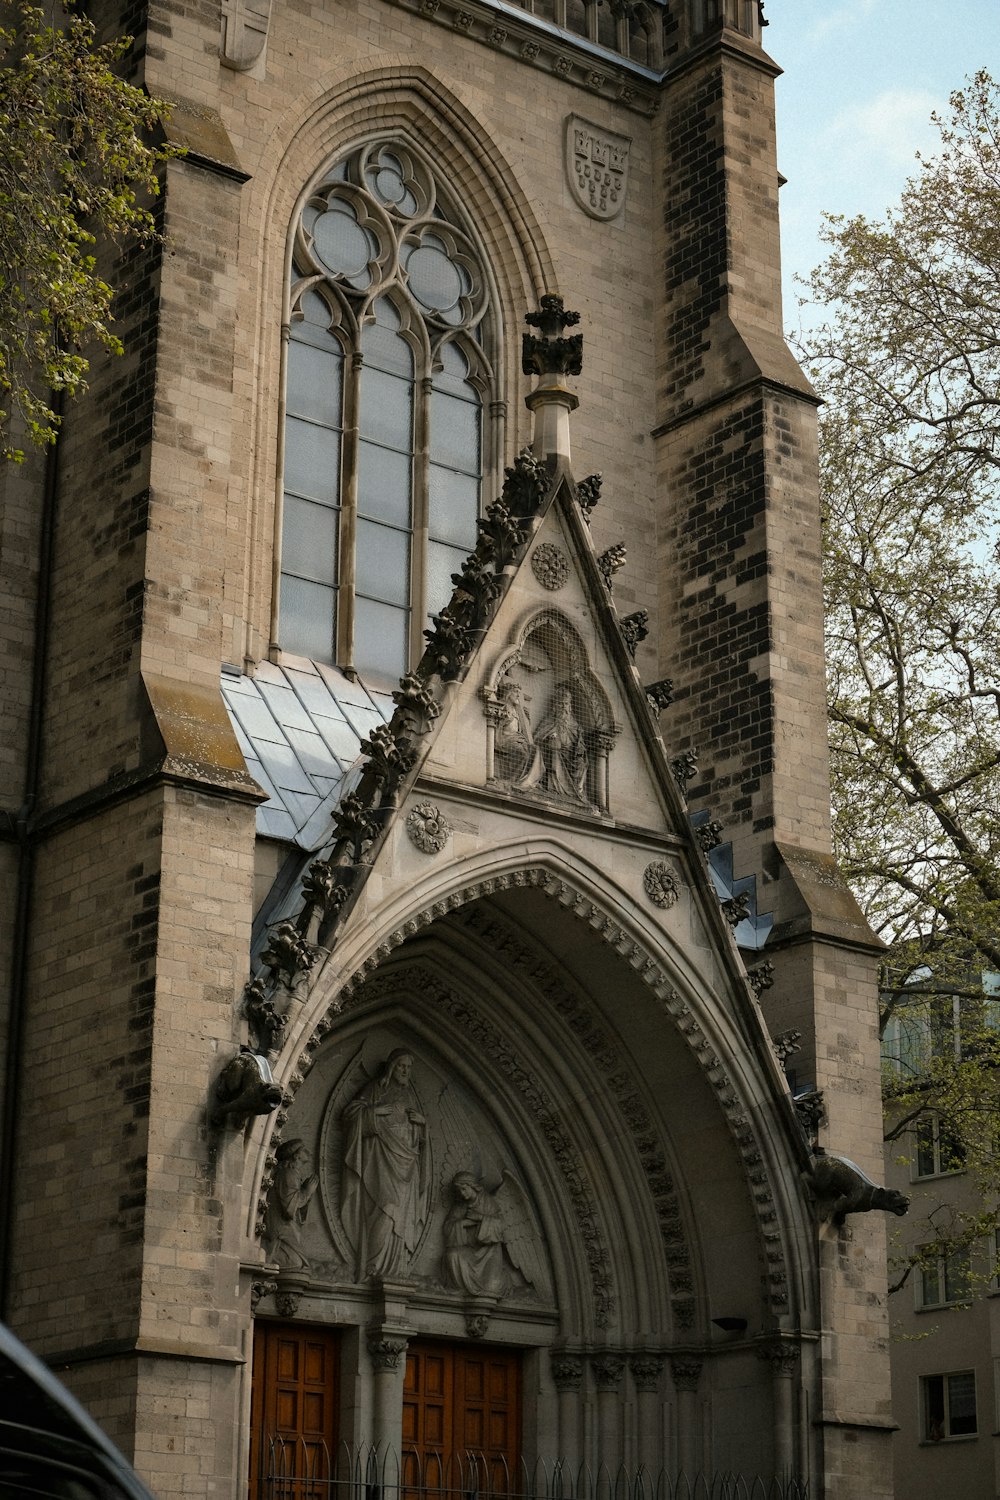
(702, 1170)
(551, 722)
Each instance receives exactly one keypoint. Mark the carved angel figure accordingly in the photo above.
(288, 1204)
(386, 1171)
(487, 1236)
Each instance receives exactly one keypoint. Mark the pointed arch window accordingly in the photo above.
(388, 377)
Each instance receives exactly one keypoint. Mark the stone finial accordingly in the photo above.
(549, 353)
(552, 357)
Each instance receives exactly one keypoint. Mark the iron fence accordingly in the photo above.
(300, 1469)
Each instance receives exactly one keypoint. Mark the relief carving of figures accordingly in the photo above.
(386, 1184)
(288, 1204)
(517, 758)
(490, 1236)
(563, 748)
(552, 725)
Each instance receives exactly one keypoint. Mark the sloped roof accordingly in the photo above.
(300, 727)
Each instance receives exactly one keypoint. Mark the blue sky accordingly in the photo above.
(861, 78)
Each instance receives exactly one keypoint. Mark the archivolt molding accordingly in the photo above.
(499, 937)
(690, 1024)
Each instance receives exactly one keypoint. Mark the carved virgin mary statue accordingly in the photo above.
(386, 1185)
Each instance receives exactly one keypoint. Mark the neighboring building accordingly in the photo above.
(945, 1321)
(528, 1181)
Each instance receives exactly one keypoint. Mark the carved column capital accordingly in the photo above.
(685, 1372)
(385, 1349)
(646, 1371)
(781, 1354)
(567, 1371)
(608, 1370)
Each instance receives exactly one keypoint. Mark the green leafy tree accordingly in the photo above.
(908, 362)
(76, 170)
(909, 365)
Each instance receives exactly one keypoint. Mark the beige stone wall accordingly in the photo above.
(121, 1244)
(494, 128)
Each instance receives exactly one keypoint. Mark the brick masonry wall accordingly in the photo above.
(164, 556)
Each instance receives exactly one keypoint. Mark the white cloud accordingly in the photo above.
(888, 128)
(829, 22)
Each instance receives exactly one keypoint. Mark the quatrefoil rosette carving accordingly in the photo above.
(428, 828)
(660, 884)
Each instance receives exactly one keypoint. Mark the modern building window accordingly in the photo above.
(944, 1279)
(388, 376)
(949, 1406)
(938, 1151)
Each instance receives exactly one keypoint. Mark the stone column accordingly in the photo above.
(567, 1374)
(608, 1369)
(686, 1372)
(387, 1349)
(783, 1357)
(645, 1370)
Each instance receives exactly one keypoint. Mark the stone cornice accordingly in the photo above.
(538, 43)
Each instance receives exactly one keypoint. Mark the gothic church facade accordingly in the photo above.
(416, 843)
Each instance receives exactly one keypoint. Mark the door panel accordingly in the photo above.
(461, 1413)
(294, 1409)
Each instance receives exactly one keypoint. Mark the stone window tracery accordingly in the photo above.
(387, 380)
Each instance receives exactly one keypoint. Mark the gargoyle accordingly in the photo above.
(839, 1188)
(244, 1088)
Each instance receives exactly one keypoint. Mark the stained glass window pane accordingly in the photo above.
(383, 346)
(455, 432)
(384, 484)
(342, 244)
(383, 563)
(453, 504)
(314, 383)
(307, 612)
(453, 375)
(309, 540)
(442, 562)
(381, 637)
(312, 461)
(387, 409)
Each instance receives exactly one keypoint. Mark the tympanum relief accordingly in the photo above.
(490, 1240)
(385, 1193)
(288, 1205)
(413, 1183)
(550, 728)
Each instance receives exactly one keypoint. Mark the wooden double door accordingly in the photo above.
(461, 1416)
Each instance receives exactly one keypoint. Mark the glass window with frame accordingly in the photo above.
(949, 1406)
(387, 380)
(944, 1280)
(938, 1151)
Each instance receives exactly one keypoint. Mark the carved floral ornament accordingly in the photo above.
(660, 884)
(428, 828)
(550, 566)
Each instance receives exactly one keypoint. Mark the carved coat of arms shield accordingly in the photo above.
(596, 167)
